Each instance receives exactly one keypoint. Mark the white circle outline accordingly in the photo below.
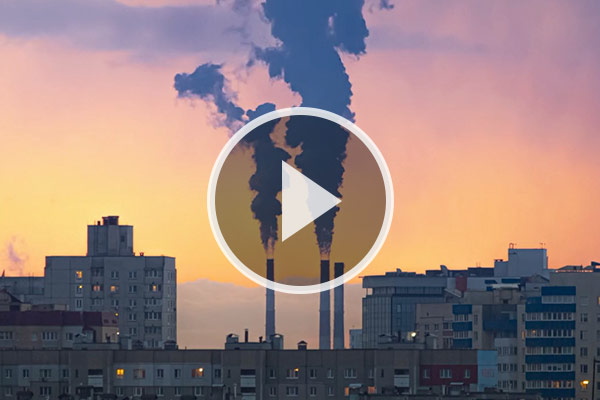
(383, 168)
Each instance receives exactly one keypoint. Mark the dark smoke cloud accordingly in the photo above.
(312, 34)
(208, 83)
(266, 181)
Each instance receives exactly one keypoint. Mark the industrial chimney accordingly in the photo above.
(270, 301)
(338, 309)
(325, 310)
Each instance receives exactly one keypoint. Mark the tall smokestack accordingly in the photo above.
(325, 310)
(338, 309)
(270, 301)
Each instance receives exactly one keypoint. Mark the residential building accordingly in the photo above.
(243, 374)
(56, 329)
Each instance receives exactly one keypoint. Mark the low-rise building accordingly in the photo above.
(243, 374)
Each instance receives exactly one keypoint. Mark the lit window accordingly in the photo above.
(120, 373)
(96, 288)
(79, 289)
(197, 372)
(79, 274)
(114, 288)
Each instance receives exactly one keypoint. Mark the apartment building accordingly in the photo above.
(390, 303)
(140, 290)
(242, 374)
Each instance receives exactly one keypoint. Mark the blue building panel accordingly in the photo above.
(550, 325)
(500, 325)
(462, 309)
(554, 393)
(550, 359)
(462, 343)
(462, 326)
(549, 307)
(550, 376)
(558, 291)
(550, 342)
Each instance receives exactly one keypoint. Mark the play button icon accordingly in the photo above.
(295, 190)
(303, 201)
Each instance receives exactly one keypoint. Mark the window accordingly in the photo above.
(217, 372)
(8, 391)
(79, 274)
(198, 372)
(583, 317)
(330, 391)
(79, 289)
(132, 331)
(445, 373)
(312, 391)
(291, 391)
(582, 335)
(583, 300)
(45, 373)
(272, 373)
(26, 373)
(114, 274)
(467, 373)
(583, 368)
(139, 373)
(273, 391)
(293, 373)
(96, 287)
(425, 373)
(8, 373)
(198, 391)
(65, 373)
(160, 391)
(78, 303)
(160, 373)
(6, 335)
(349, 373)
(583, 352)
(138, 391)
(45, 390)
(132, 288)
(312, 373)
(330, 373)
(120, 391)
(120, 373)
(132, 274)
(132, 317)
(114, 289)
(177, 391)
(114, 302)
(154, 287)
(177, 373)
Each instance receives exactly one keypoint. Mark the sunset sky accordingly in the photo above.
(487, 114)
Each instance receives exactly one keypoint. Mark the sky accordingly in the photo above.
(486, 112)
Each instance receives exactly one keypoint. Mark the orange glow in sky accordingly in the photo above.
(490, 130)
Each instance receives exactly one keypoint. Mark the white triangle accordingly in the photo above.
(302, 200)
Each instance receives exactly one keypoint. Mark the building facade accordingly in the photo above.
(140, 290)
(243, 374)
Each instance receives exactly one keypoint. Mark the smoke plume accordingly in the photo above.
(16, 261)
(266, 181)
(208, 83)
(312, 34)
